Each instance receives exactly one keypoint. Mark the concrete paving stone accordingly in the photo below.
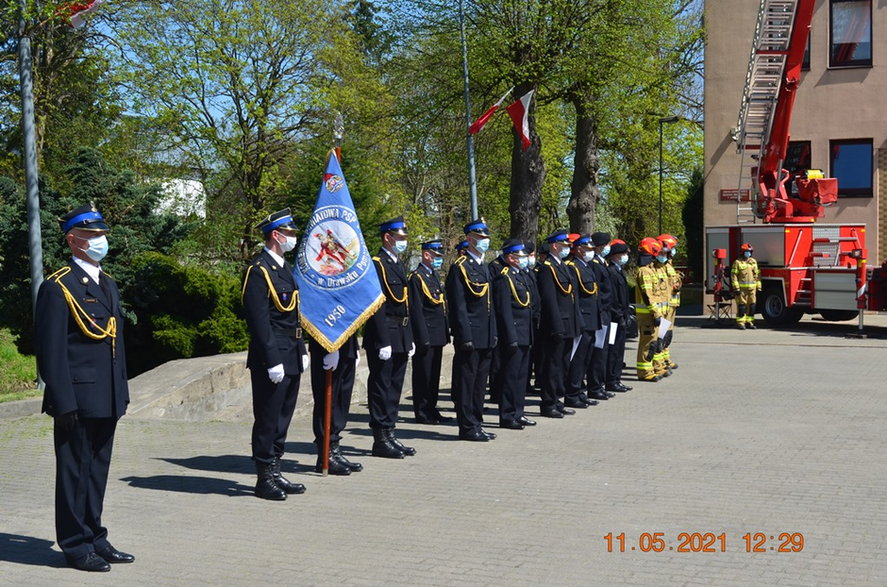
(768, 430)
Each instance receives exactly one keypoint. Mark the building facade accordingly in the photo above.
(839, 121)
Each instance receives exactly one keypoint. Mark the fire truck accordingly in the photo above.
(806, 266)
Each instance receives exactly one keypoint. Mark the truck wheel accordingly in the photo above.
(839, 315)
(774, 311)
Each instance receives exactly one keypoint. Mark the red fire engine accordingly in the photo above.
(805, 266)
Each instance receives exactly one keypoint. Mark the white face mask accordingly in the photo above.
(563, 252)
(97, 249)
(587, 256)
(605, 251)
(622, 260)
(531, 261)
(288, 244)
(400, 246)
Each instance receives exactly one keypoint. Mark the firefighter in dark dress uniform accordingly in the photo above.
(473, 326)
(512, 295)
(277, 356)
(597, 368)
(561, 323)
(428, 317)
(343, 363)
(80, 356)
(587, 299)
(620, 312)
(388, 340)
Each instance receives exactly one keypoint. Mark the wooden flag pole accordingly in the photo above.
(327, 421)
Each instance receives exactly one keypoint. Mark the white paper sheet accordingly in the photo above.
(663, 327)
(600, 337)
(614, 326)
(575, 346)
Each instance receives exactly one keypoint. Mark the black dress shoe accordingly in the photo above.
(575, 402)
(266, 485)
(565, 410)
(598, 395)
(91, 562)
(526, 421)
(336, 467)
(490, 435)
(383, 448)
(511, 424)
(112, 555)
(407, 450)
(288, 487)
(474, 436)
(336, 451)
(552, 413)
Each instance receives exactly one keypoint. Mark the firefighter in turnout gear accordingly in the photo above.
(651, 297)
(745, 280)
(669, 249)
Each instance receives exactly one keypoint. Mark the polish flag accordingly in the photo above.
(78, 10)
(485, 117)
(520, 116)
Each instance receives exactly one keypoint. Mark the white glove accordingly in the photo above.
(357, 360)
(275, 373)
(412, 351)
(305, 362)
(385, 353)
(331, 361)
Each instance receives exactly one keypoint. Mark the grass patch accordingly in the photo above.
(19, 373)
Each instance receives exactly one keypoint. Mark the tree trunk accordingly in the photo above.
(584, 191)
(527, 176)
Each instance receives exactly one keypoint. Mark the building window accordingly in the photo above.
(851, 162)
(850, 29)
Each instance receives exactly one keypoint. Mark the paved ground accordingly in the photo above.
(765, 431)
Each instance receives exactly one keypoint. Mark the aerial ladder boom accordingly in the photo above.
(762, 132)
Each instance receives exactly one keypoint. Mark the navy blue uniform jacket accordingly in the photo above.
(81, 373)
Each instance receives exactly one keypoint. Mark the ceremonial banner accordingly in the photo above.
(338, 286)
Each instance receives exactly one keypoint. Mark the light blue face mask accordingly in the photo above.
(483, 245)
(747, 254)
(400, 246)
(523, 262)
(564, 252)
(605, 251)
(662, 258)
(98, 248)
(531, 261)
(622, 260)
(674, 252)
(437, 262)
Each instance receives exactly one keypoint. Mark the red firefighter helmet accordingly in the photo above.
(746, 247)
(668, 241)
(650, 246)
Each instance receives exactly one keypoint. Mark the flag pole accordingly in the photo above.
(472, 179)
(29, 156)
(327, 420)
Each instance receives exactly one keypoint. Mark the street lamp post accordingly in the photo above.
(664, 120)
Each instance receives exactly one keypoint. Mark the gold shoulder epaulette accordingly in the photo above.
(460, 260)
(504, 270)
(64, 271)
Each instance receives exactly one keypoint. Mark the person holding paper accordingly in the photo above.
(597, 368)
(620, 312)
(649, 293)
(561, 323)
(587, 300)
(669, 249)
(660, 365)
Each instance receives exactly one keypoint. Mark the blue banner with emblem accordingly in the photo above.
(338, 285)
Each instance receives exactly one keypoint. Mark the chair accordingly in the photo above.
(720, 311)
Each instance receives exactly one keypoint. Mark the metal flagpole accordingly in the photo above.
(472, 179)
(30, 154)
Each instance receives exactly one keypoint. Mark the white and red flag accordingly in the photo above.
(78, 10)
(520, 116)
(485, 117)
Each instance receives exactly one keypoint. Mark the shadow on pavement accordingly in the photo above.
(27, 550)
(191, 484)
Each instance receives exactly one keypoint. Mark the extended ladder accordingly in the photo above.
(766, 66)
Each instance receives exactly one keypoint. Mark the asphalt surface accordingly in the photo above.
(769, 432)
